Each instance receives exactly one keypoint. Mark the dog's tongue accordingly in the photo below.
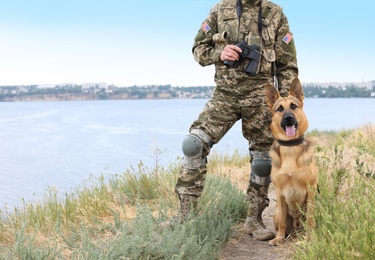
(290, 131)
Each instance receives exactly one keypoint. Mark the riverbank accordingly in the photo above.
(120, 216)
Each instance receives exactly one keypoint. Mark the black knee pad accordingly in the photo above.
(261, 164)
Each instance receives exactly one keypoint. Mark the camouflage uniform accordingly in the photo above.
(238, 95)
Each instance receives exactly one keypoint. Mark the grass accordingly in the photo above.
(345, 205)
(118, 217)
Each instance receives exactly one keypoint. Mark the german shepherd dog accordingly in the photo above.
(294, 172)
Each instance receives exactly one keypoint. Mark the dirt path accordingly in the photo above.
(244, 246)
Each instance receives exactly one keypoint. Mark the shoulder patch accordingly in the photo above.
(205, 27)
(287, 38)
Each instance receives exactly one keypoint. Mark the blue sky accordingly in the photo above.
(149, 42)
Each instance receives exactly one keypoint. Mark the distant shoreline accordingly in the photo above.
(111, 92)
(57, 97)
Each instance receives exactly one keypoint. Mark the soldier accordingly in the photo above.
(266, 54)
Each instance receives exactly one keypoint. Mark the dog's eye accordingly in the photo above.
(293, 106)
(280, 109)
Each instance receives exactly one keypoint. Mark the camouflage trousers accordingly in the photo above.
(228, 105)
(258, 194)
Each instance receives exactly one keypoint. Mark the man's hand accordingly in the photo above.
(231, 53)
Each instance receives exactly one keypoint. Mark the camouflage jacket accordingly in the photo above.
(278, 53)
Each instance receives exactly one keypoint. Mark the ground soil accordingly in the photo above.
(243, 246)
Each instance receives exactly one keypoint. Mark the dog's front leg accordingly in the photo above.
(280, 221)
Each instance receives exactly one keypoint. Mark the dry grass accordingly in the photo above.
(234, 166)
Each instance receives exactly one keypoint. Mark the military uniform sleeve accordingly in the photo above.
(205, 51)
(286, 62)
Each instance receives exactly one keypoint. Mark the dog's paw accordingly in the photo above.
(277, 241)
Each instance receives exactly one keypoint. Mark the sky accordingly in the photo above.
(127, 43)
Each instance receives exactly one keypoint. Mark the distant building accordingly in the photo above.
(44, 86)
(97, 85)
(343, 85)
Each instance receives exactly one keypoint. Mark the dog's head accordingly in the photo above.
(288, 118)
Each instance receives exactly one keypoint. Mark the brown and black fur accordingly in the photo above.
(294, 171)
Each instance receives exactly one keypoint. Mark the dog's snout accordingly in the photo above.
(289, 118)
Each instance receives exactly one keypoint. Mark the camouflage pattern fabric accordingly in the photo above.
(237, 95)
(220, 113)
(191, 181)
(228, 105)
(258, 194)
(277, 43)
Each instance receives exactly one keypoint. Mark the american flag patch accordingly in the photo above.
(287, 38)
(206, 27)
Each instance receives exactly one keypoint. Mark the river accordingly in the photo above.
(61, 144)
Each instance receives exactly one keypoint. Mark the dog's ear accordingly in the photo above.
(296, 90)
(271, 95)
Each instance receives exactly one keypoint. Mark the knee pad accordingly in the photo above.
(193, 147)
(261, 164)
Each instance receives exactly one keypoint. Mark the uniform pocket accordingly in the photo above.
(268, 35)
(268, 57)
(228, 21)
